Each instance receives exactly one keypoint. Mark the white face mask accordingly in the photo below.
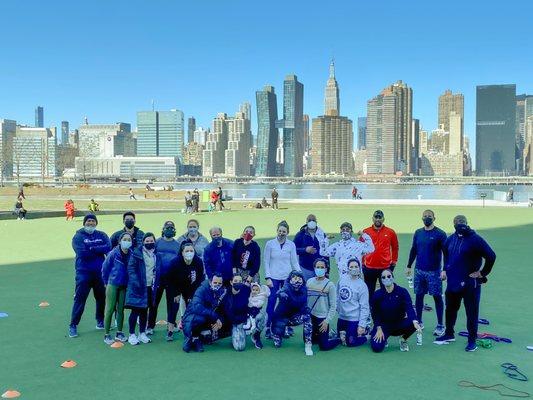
(125, 244)
(89, 229)
(188, 255)
(311, 225)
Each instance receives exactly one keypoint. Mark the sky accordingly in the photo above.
(108, 59)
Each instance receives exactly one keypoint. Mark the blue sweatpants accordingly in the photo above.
(84, 283)
(404, 328)
(322, 338)
(350, 327)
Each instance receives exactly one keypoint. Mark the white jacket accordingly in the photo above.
(344, 250)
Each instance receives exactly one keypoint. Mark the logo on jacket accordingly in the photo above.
(345, 293)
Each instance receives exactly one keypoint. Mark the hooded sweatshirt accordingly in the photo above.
(291, 302)
(90, 250)
(304, 239)
(259, 300)
(352, 304)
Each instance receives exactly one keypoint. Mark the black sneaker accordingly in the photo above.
(99, 325)
(268, 333)
(256, 340)
(187, 345)
(444, 339)
(198, 346)
(170, 336)
(470, 347)
(72, 331)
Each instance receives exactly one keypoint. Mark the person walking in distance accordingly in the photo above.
(468, 259)
(132, 195)
(427, 247)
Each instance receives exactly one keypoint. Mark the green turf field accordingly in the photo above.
(37, 265)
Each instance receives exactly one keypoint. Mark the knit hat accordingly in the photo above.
(90, 216)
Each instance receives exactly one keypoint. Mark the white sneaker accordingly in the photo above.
(308, 349)
(439, 330)
(143, 338)
(133, 340)
(404, 346)
(342, 336)
(419, 338)
(149, 331)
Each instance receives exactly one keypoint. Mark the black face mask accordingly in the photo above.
(169, 232)
(149, 246)
(461, 229)
(237, 286)
(129, 223)
(427, 221)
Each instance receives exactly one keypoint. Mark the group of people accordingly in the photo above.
(217, 286)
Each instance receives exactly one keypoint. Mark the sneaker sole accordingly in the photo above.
(472, 350)
(441, 342)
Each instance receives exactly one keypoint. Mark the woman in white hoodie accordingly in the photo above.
(280, 259)
(352, 306)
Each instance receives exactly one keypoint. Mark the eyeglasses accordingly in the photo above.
(386, 276)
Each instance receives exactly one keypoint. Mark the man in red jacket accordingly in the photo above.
(385, 254)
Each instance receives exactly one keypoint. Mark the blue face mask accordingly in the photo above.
(89, 229)
(346, 235)
(320, 272)
(125, 244)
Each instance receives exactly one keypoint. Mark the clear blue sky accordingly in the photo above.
(108, 59)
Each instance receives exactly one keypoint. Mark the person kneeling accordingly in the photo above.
(393, 314)
(291, 310)
(205, 312)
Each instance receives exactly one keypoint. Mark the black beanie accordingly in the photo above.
(90, 216)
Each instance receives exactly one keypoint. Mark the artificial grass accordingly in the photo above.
(37, 265)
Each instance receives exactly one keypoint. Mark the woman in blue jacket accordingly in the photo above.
(115, 277)
(393, 314)
(139, 295)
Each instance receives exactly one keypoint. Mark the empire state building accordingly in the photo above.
(331, 97)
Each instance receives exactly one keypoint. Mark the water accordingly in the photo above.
(367, 191)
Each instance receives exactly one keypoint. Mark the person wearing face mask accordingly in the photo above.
(142, 268)
(385, 254)
(468, 259)
(194, 236)
(322, 303)
(167, 249)
(352, 306)
(393, 314)
(427, 247)
(292, 310)
(348, 247)
(238, 311)
(247, 256)
(129, 226)
(207, 310)
(115, 277)
(309, 240)
(218, 255)
(185, 277)
(280, 259)
(91, 247)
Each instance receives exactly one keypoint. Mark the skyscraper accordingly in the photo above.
(381, 134)
(215, 147)
(200, 135)
(361, 133)
(64, 132)
(495, 129)
(292, 124)
(449, 102)
(8, 129)
(106, 140)
(455, 145)
(403, 137)
(237, 155)
(415, 148)
(160, 133)
(331, 94)
(267, 133)
(307, 138)
(39, 117)
(191, 127)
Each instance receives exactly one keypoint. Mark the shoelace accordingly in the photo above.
(512, 372)
(496, 388)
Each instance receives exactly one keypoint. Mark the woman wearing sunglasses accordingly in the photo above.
(393, 314)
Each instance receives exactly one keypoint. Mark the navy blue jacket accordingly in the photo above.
(90, 250)
(463, 255)
(185, 279)
(137, 237)
(219, 259)
(115, 267)
(295, 303)
(239, 305)
(208, 306)
(250, 253)
(137, 292)
(167, 251)
(302, 240)
(427, 248)
(389, 309)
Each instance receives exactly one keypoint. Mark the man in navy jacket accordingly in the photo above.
(218, 256)
(464, 252)
(91, 247)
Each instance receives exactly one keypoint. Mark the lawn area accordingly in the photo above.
(37, 265)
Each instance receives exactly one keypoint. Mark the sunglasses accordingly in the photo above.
(386, 276)
(378, 216)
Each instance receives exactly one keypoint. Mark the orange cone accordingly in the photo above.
(10, 394)
(44, 304)
(161, 322)
(69, 364)
(117, 345)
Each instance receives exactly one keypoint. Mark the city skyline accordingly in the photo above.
(107, 92)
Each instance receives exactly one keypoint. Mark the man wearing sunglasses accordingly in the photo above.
(385, 255)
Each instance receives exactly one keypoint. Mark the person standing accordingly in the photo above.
(275, 196)
(427, 247)
(468, 259)
(354, 193)
(69, 210)
(128, 218)
(91, 247)
(220, 197)
(246, 255)
(352, 306)
(218, 256)
(280, 259)
(309, 240)
(115, 277)
(194, 236)
(348, 247)
(393, 314)
(385, 255)
(195, 200)
(188, 202)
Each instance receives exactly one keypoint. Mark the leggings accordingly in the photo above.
(153, 306)
(322, 338)
(404, 328)
(439, 307)
(115, 296)
(140, 313)
(350, 327)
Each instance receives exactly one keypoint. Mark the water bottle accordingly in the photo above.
(419, 338)
(410, 282)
